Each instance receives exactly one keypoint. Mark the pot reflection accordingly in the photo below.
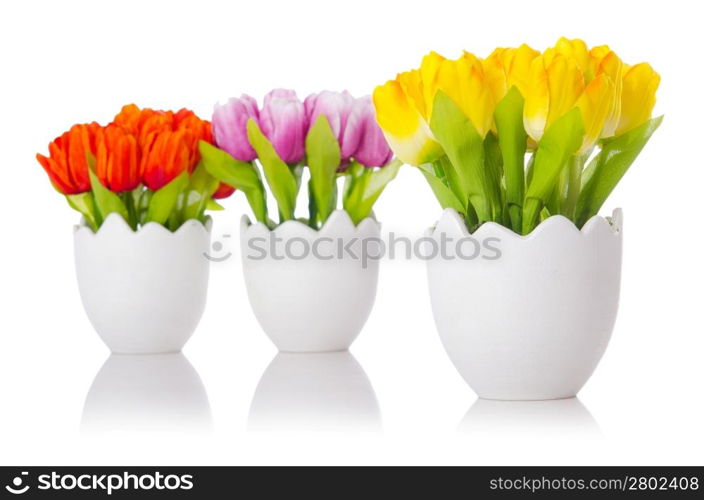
(147, 393)
(314, 392)
(553, 418)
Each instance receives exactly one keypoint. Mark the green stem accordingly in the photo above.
(574, 186)
(128, 200)
(531, 213)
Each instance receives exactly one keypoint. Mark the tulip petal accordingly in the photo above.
(595, 103)
(230, 126)
(371, 150)
(463, 81)
(640, 83)
(405, 129)
(283, 122)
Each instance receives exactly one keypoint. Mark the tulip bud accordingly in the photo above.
(164, 159)
(605, 61)
(556, 83)
(67, 163)
(117, 161)
(230, 126)
(143, 123)
(640, 82)
(370, 146)
(577, 51)
(596, 105)
(464, 81)
(404, 123)
(336, 107)
(283, 121)
(509, 67)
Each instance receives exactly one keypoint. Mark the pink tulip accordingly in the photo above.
(371, 148)
(283, 121)
(230, 126)
(336, 107)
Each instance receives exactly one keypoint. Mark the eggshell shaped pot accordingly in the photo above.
(311, 291)
(144, 291)
(532, 321)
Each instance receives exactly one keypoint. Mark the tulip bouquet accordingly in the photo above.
(332, 133)
(144, 165)
(521, 135)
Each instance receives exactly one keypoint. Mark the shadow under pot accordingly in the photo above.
(144, 291)
(311, 291)
(526, 317)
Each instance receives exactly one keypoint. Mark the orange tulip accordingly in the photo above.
(117, 159)
(67, 163)
(195, 130)
(144, 123)
(140, 146)
(168, 141)
(164, 158)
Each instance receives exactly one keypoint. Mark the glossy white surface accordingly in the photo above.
(306, 294)
(144, 291)
(645, 395)
(314, 392)
(531, 319)
(146, 393)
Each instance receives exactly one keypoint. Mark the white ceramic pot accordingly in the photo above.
(309, 294)
(533, 323)
(143, 291)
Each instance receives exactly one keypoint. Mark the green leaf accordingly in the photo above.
(165, 200)
(312, 209)
(451, 177)
(213, 205)
(323, 152)
(106, 202)
(445, 196)
(199, 191)
(356, 179)
(85, 204)
(608, 167)
(494, 164)
(242, 175)
(465, 149)
(278, 174)
(559, 142)
(367, 189)
(512, 141)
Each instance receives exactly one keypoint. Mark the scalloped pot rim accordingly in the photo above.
(451, 219)
(115, 222)
(339, 221)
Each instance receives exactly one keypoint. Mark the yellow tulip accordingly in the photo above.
(403, 124)
(428, 77)
(596, 104)
(555, 84)
(509, 67)
(404, 105)
(605, 61)
(640, 82)
(464, 82)
(576, 50)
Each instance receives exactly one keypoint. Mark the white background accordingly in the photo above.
(68, 62)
